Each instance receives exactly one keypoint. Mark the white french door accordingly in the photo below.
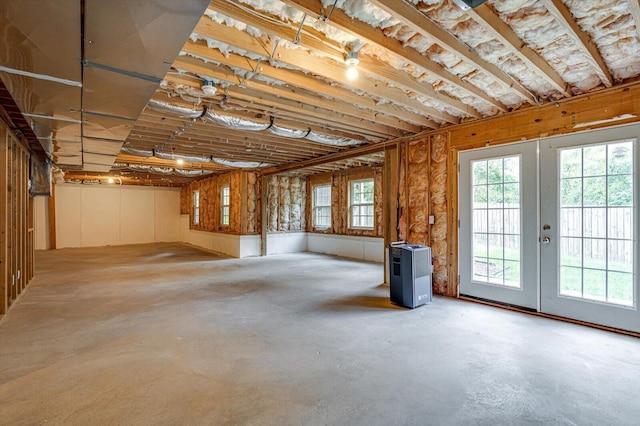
(553, 226)
(498, 223)
(589, 216)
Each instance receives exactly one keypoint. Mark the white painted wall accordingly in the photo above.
(222, 243)
(363, 248)
(99, 215)
(41, 222)
(287, 242)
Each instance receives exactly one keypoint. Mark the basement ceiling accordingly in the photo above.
(279, 69)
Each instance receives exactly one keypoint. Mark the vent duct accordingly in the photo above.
(468, 4)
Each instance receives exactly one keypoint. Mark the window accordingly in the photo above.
(224, 203)
(322, 206)
(196, 207)
(596, 194)
(361, 204)
(496, 212)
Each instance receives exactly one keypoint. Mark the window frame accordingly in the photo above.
(317, 208)
(225, 207)
(352, 204)
(195, 204)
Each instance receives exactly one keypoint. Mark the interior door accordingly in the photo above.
(589, 227)
(498, 235)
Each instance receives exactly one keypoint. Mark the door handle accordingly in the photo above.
(546, 240)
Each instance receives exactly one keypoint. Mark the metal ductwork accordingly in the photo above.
(468, 4)
(236, 123)
(83, 71)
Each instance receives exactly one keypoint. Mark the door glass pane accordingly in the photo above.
(596, 222)
(496, 224)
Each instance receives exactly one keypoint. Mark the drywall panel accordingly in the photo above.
(250, 245)
(228, 244)
(41, 222)
(167, 214)
(289, 242)
(363, 248)
(137, 215)
(99, 215)
(68, 216)
(374, 250)
(100, 224)
(184, 227)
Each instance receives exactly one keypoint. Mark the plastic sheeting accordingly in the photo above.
(174, 109)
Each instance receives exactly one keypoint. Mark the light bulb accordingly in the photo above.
(209, 88)
(180, 161)
(352, 73)
(110, 180)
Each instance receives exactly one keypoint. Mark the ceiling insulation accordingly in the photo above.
(423, 64)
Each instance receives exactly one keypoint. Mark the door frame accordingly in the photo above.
(528, 295)
(595, 312)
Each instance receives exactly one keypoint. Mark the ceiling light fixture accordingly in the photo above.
(468, 4)
(352, 62)
(209, 88)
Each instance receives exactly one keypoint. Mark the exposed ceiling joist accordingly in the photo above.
(201, 67)
(306, 62)
(634, 6)
(423, 25)
(329, 49)
(485, 16)
(375, 36)
(565, 19)
(297, 83)
(307, 100)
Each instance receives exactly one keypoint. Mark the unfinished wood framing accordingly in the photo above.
(16, 219)
(286, 203)
(340, 201)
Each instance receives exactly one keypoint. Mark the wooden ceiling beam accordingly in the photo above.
(206, 127)
(420, 23)
(376, 37)
(304, 61)
(257, 93)
(309, 100)
(326, 48)
(298, 83)
(252, 110)
(338, 156)
(206, 147)
(634, 6)
(219, 136)
(302, 147)
(565, 19)
(199, 66)
(486, 17)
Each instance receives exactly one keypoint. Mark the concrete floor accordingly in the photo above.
(165, 334)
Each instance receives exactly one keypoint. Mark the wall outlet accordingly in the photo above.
(432, 219)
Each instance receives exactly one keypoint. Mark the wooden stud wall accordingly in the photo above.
(340, 201)
(286, 200)
(421, 190)
(17, 238)
(244, 209)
